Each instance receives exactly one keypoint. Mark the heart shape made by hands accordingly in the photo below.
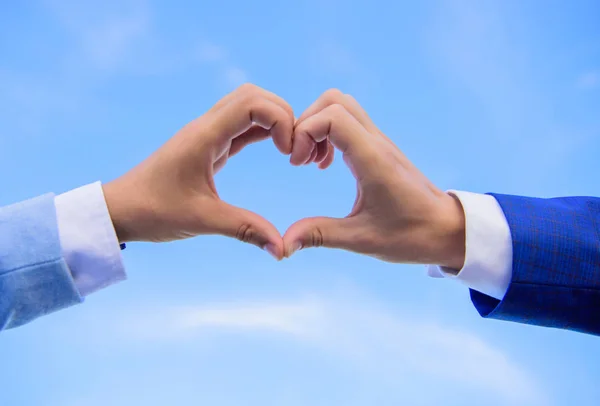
(398, 214)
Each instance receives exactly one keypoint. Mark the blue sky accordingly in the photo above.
(482, 96)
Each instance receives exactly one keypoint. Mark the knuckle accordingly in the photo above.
(336, 111)
(349, 97)
(256, 106)
(248, 88)
(253, 101)
(290, 112)
(332, 96)
(245, 233)
(316, 237)
(249, 98)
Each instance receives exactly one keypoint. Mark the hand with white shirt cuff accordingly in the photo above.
(56, 250)
(172, 195)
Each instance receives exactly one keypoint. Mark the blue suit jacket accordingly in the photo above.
(556, 264)
(34, 278)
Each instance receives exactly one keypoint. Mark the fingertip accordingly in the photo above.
(296, 237)
(288, 242)
(295, 161)
(283, 146)
(274, 251)
(290, 249)
(302, 150)
(248, 227)
(282, 134)
(312, 157)
(322, 166)
(328, 160)
(322, 151)
(269, 239)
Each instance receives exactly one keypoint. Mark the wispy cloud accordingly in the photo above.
(378, 342)
(122, 38)
(209, 52)
(106, 38)
(100, 41)
(105, 34)
(336, 61)
(470, 43)
(589, 80)
(335, 58)
(230, 75)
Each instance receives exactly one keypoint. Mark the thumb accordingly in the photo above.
(320, 232)
(246, 226)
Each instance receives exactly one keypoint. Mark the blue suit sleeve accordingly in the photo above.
(34, 278)
(556, 264)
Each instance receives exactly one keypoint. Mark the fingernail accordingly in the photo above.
(271, 249)
(295, 247)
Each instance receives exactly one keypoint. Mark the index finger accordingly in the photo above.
(250, 89)
(335, 96)
(246, 110)
(303, 146)
(342, 129)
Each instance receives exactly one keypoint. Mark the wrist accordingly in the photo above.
(451, 226)
(121, 210)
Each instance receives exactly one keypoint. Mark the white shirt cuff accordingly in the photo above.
(88, 239)
(488, 252)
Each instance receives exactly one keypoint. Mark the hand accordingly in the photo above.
(398, 214)
(172, 195)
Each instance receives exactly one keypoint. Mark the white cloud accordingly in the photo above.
(589, 80)
(379, 343)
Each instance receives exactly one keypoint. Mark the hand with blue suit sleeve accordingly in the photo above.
(555, 272)
(528, 260)
(56, 250)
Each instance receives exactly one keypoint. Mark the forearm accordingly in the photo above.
(55, 251)
(34, 277)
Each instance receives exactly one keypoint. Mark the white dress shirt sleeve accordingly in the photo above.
(488, 252)
(88, 239)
